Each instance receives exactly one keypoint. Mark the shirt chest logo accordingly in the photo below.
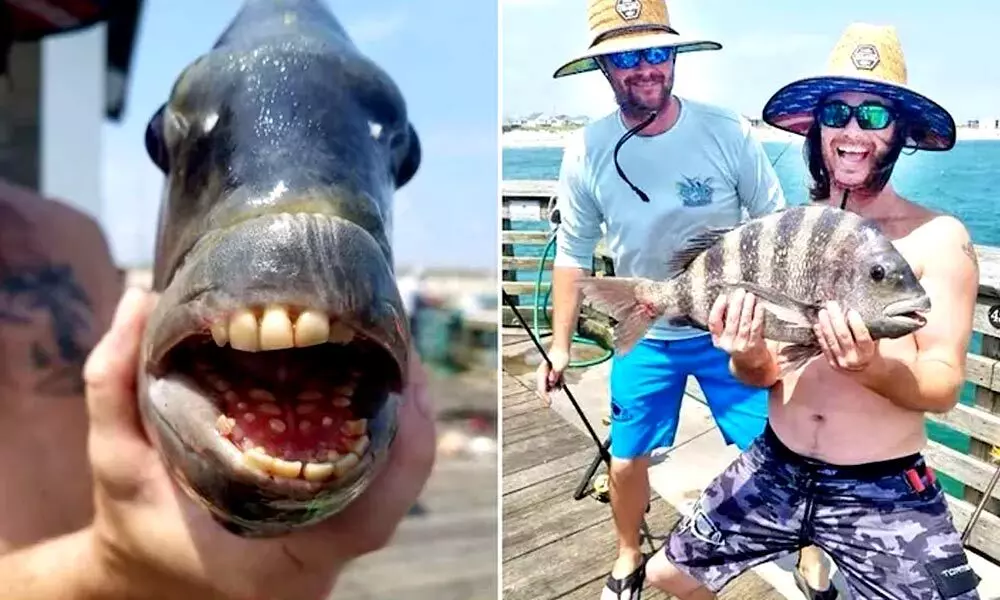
(695, 191)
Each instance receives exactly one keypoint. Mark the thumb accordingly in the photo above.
(110, 370)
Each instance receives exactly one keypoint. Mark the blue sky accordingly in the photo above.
(950, 49)
(446, 217)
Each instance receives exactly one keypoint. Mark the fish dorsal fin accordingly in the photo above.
(694, 246)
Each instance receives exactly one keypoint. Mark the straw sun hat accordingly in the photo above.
(867, 58)
(617, 25)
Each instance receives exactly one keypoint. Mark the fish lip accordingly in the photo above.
(910, 310)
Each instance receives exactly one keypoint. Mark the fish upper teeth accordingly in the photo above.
(243, 331)
(276, 329)
(311, 328)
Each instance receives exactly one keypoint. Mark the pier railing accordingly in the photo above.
(966, 469)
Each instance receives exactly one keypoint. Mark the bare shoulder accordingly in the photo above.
(58, 289)
(945, 240)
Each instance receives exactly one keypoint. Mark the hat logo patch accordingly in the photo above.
(865, 57)
(628, 9)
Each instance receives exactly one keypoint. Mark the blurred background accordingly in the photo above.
(73, 112)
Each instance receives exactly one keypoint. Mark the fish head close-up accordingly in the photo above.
(274, 361)
(878, 282)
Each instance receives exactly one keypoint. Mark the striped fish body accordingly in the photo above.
(793, 261)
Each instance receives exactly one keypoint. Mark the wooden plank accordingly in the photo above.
(526, 237)
(989, 271)
(973, 422)
(982, 371)
(524, 287)
(985, 536)
(529, 188)
(966, 469)
(513, 263)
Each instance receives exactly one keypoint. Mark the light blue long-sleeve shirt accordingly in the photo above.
(708, 170)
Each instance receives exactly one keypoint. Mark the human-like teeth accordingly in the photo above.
(340, 333)
(286, 468)
(225, 424)
(360, 445)
(353, 428)
(311, 328)
(341, 402)
(243, 331)
(276, 466)
(317, 471)
(345, 464)
(269, 408)
(220, 333)
(276, 329)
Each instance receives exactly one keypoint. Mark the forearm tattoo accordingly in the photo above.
(50, 290)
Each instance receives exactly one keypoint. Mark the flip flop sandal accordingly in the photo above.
(631, 583)
(829, 593)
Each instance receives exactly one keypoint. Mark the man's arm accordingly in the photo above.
(762, 373)
(757, 183)
(64, 567)
(932, 382)
(577, 238)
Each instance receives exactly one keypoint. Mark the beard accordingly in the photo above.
(641, 94)
(856, 165)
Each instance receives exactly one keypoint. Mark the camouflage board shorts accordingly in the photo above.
(885, 524)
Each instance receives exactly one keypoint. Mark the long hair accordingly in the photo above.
(812, 150)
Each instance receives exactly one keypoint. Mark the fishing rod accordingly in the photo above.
(605, 455)
(602, 447)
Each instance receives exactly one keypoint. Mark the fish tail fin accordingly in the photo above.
(635, 302)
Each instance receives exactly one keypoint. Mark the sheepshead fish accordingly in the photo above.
(793, 261)
(274, 361)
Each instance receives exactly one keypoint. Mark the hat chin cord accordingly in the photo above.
(628, 134)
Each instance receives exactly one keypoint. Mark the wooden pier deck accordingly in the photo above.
(963, 441)
(555, 546)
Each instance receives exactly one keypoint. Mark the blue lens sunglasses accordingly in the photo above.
(629, 59)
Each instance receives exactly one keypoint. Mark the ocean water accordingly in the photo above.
(964, 182)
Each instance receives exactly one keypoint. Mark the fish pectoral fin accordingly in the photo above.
(795, 356)
(783, 307)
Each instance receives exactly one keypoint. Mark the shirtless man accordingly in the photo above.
(839, 465)
(87, 509)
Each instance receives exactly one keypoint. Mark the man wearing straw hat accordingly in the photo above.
(655, 172)
(840, 464)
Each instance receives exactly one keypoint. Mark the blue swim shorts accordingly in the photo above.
(647, 385)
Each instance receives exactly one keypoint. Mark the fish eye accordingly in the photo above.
(877, 272)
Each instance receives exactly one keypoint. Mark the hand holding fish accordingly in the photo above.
(844, 339)
(736, 322)
(149, 539)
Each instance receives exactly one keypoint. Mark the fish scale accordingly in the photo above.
(793, 261)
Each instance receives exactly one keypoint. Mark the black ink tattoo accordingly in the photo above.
(970, 251)
(51, 289)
